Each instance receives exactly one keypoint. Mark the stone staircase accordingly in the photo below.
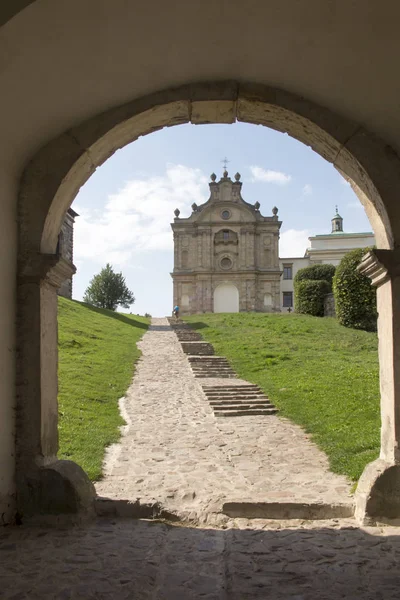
(235, 400)
(210, 366)
(238, 400)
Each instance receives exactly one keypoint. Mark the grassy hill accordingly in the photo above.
(319, 374)
(97, 353)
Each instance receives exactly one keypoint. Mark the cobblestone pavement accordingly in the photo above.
(175, 452)
(139, 560)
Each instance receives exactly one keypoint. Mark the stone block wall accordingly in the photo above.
(66, 249)
(329, 306)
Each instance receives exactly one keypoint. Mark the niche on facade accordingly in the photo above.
(225, 237)
(185, 259)
(267, 300)
(185, 300)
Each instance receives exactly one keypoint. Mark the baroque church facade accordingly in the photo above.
(226, 254)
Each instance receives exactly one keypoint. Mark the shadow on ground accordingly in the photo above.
(115, 315)
(117, 559)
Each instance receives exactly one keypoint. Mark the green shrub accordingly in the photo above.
(316, 272)
(310, 296)
(355, 298)
(309, 299)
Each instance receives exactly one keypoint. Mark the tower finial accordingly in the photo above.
(336, 209)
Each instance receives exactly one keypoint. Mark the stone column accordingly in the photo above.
(44, 484)
(378, 491)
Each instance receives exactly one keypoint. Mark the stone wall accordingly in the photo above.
(66, 249)
(329, 306)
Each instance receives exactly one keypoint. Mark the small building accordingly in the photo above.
(226, 254)
(326, 248)
(66, 249)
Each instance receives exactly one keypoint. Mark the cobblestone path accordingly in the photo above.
(175, 452)
(139, 560)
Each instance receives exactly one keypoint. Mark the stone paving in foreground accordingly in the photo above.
(139, 560)
(175, 452)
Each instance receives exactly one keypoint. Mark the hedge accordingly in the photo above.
(355, 298)
(310, 296)
(316, 272)
(309, 299)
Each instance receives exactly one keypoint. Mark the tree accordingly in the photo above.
(355, 298)
(108, 290)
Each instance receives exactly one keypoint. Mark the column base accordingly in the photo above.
(60, 488)
(377, 498)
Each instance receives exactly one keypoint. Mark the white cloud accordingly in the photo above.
(137, 218)
(268, 176)
(293, 242)
(307, 190)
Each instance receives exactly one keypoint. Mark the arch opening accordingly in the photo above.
(364, 160)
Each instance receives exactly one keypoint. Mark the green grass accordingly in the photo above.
(97, 353)
(319, 374)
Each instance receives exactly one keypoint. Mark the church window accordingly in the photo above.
(287, 299)
(226, 235)
(287, 271)
(225, 214)
(226, 263)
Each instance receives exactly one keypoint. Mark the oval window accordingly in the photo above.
(226, 263)
(225, 214)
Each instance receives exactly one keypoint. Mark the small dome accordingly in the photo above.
(213, 177)
(225, 173)
(274, 211)
(177, 212)
(237, 176)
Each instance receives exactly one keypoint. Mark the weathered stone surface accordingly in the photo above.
(126, 559)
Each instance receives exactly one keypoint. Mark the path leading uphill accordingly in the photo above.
(175, 452)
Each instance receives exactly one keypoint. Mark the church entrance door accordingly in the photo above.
(226, 298)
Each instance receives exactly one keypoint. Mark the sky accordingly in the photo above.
(126, 207)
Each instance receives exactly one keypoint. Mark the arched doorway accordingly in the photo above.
(363, 158)
(226, 298)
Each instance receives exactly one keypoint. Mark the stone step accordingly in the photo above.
(246, 413)
(234, 395)
(239, 401)
(197, 348)
(229, 388)
(196, 367)
(214, 375)
(207, 359)
(283, 510)
(241, 406)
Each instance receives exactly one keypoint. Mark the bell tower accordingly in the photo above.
(337, 223)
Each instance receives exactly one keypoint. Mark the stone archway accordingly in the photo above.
(226, 298)
(50, 184)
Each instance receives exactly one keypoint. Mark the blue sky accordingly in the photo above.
(127, 206)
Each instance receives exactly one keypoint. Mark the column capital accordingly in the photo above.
(52, 268)
(380, 265)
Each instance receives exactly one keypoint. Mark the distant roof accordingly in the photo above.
(342, 234)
